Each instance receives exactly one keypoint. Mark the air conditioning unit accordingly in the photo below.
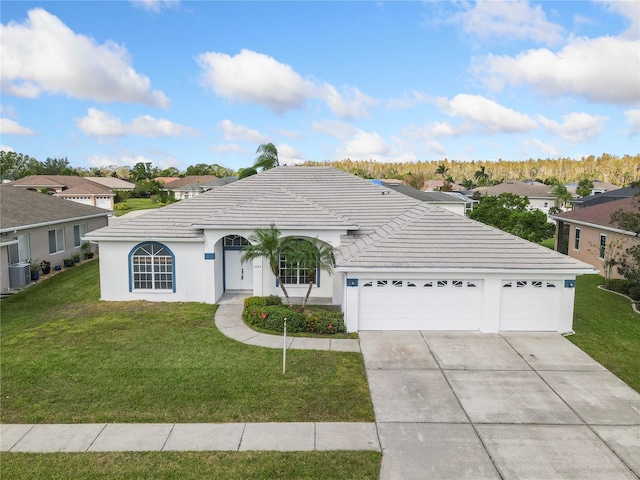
(19, 275)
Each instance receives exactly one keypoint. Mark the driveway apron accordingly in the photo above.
(466, 405)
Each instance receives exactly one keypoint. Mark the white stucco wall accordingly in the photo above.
(191, 281)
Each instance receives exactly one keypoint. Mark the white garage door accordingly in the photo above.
(103, 202)
(420, 304)
(530, 305)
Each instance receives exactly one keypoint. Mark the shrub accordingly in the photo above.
(121, 206)
(619, 285)
(268, 313)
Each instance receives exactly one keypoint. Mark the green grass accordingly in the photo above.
(608, 329)
(69, 358)
(549, 243)
(192, 465)
(137, 204)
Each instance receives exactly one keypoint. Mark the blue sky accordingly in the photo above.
(179, 83)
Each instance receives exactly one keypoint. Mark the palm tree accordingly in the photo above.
(562, 195)
(481, 175)
(442, 169)
(311, 256)
(267, 243)
(267, 157)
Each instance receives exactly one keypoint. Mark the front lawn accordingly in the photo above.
(68, 357)
(608, 329)
(192, 465)
(137, 204)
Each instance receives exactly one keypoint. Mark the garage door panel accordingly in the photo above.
(530, 306)
(420, 305)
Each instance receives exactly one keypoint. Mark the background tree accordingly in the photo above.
(415, 180)
(169, 172)
(267, 157)
(585, 187)
(143, 171)
(442, 170)
(509, 213)
(311, 255)
(57, 166)
(266, 243)
(14, 165)
(482, 176)
(246, 172)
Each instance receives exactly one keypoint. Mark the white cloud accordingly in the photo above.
(44, 55)
(604, 69)
(407, 101)
(230, 148)
(633, 120)
(288, 155)
(629, 9)
(155, 5)
(575, 127)
(356, 143)
(513, 20)
(103, 124)
(490, 116)
(11, 127)
(6, 148)
(128, 160)
(546, 148)
(434, 130)
(256, 78)
(233, 131)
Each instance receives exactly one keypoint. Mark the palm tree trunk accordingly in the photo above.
(284, 290)
(306, 298)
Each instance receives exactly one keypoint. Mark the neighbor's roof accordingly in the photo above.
(384, 229)
(65, 182)
(605, 197)
(219, 182)
(429, 197)
(432, 185)
(21, 208)
(518, 188)
(189, 180)
(600, 214)
(113, 183)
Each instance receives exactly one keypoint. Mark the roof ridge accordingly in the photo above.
(317, 205)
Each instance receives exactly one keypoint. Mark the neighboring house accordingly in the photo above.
(439, 199)
(435, 185)
(70, 187)
(540, 196)
(401, 264)
(113, 183)
(598, 187)
(468, 202)
(604, 197)
(191, 190)
(39, 226)
(165, 180)
(176, 186)
(589, 235)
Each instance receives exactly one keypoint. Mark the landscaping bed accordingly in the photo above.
(68, 357)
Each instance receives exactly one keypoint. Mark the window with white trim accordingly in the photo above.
(21, 251)
(56, 240)
(292, 273)
(603, 246)
(576, 240)
(79, 231)
(152, 267)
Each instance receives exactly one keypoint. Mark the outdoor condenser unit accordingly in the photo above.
(19, 275)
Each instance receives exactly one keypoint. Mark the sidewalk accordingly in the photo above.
(237, 437)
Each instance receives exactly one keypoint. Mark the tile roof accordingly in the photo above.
(429, 197)
(190, 180)
(19, 208)
(600, 214)
(65, 182)
(112, 183)
(609, 196)
(518, 188)
(385, 228)
(432, 185)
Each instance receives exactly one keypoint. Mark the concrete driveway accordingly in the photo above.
(477, 406)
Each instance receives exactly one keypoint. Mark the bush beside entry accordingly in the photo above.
(268, 313)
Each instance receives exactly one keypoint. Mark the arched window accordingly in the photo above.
(151, 267)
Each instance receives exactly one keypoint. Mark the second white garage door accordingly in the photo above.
(442, 304)
(530, 305)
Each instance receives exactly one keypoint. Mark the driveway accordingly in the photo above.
(452, 405)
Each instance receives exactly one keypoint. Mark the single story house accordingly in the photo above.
(188, 186)
(540, 195)
(70, 187)
(38, 226)
(589, 235)
(113, 183)
(439, 199)
(436, 185)
(193, 189)
(400, 263)
(598, 187)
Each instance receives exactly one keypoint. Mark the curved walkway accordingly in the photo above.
(229, 321)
